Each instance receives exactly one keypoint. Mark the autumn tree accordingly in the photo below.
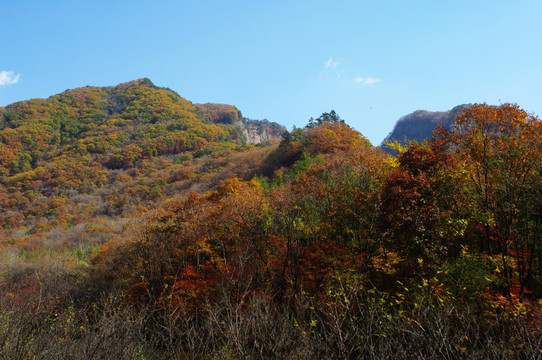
(500, 150)
(419, 219)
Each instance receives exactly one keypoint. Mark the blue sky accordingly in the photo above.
(370, 61)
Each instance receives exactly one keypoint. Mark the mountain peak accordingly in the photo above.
(419, 125)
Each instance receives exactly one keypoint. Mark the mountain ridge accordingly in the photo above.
(419, 126)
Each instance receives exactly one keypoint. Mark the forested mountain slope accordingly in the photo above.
(80, 161)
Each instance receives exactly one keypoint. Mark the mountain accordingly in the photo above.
(77, 163)
(253, 131)
(419, 125)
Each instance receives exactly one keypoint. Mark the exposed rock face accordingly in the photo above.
(419, 125)
(259, 131)
(253, 131)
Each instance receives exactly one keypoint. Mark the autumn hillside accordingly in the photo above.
(145, 229)
(73, 165)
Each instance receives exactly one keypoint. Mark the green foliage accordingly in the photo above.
(330, 117)
(470, 276)
(304, 162)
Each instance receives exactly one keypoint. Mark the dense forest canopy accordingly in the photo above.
(88, 157)
(177, 240)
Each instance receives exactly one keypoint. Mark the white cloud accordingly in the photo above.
(367, 80)
(371, 80)
(8, 78)
(330, 64)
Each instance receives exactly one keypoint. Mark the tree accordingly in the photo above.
(330, 117)
(418, 217)
(500, 150)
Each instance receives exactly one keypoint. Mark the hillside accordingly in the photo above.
(419, 125)
(252, 131)
(79, 162)
(319, 246)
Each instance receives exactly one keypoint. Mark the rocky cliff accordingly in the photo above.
(419, 125)
(252, 131)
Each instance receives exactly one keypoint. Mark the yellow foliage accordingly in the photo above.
(387, 262)
(396, 146)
